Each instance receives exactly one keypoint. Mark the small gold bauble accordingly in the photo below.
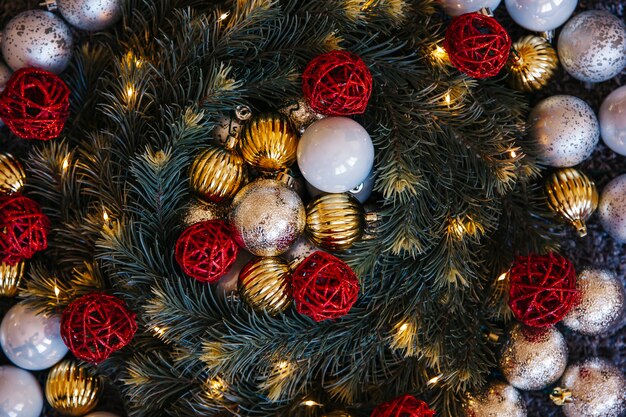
(269, 142)
(71, 389)
(11, 174)
(532, 63)
(217, 174)
(264, 284)
(10, 277)
(335, 221)
(199, 211)
(573, 196)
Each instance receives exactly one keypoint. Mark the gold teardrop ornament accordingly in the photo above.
(71, 389)
(335, 221)
(216, 174)
(11, 174)
(10, 277)
(264, 285)
(532, 63)
(269, 142)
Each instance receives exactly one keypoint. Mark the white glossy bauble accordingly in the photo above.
(20, 393)
(29, 340)
(102, 414)
(335, 154)
(612, 208)
(91, 15)
(612, 118)
(459, 7)
(540, 15)
(228, 282)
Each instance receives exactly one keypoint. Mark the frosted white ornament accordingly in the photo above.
(29, 340)
(102, 414)
(612, 208)
(20, 393)
(564, 130)
(540, 15)
(335, 154)
(90, 15)
(592, 46)
(459, 7)
(612, 118)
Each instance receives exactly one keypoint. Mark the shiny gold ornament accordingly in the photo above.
(264, 284)
(532, 63)
(11, 174)
(498, 400)
(10, 277)
(573, 196)
(199, 211)
(217, 174)
(335, 221)
(269, 142)
(71, 389)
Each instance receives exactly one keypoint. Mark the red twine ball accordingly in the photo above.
(96, 325)
(324, 287)
(477, 45)
(23, 229)
(337, 83)
(35, 104)
(403, 406)
(206, 250)
(542, 289)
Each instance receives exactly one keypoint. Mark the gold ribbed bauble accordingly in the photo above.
(71, 389)
(11, 174)
(573, 196)
(335, 221)
(10, 277)
(264, 285)
(217, 174)
(532, 63)
(269, 142)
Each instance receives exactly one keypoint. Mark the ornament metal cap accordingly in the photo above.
(561, 396)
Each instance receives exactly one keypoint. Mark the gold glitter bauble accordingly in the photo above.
(10, 277)
(267, 217)
(269, 142)
(335, 221)
(533, 358)
(71, 389)
(199, 211)
(217, 174)
(264, 284)
(498, 400)
(532, 63)
(573, 196)
(11, 174)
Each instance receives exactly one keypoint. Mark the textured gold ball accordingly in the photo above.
(269, 142)
(216, 174)
(10, 277)
(199, 211)
(573, 196)
(532, 65)
(71, 389)
(264, 285)
(335, 221)
(498, 400)
(11, 174)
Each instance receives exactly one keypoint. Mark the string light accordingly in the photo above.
(130, 92)
(311, 403)
(105, 215)
(66, 163)
(439, 56)
(513, 154)
(223, 16)
(503, 276)
(448, 98)
(434, 380)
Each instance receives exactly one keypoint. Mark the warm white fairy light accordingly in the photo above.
(223, 16)
(105, 215)
(311, 403)
(66, 163)
(434, 380)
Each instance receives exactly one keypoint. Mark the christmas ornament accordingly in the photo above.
(595, 387)
(200, 211)
(228, 129)
(612, 208)
(216, 174)
(532, 63)
(324, 287)
(540, 15)
(71, 389)
(267, 216)
(101, 414)
(89, 15)
(592, 46)
(5, 76)
(338, 413)
(23, 229)
(300, 114)
(206, 250)
(613, 122)
(35, 104)
(532, 358)
(300, 250)
(10, 277)
(96, 325)
(599, 304)
(459, 7)
(37, 39)
(564, 130)
(228, 283)
(573, 196)
(361, 192)
(264, 285)
(498, 400)
(477, 45)
(269, 142)
(335, 154)
(405, 406)
(20, 393)
(11, 174)
(29, 340)
(337, 83)
(335, 221)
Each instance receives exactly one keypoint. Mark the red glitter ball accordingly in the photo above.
(23, 229)
(403, 406)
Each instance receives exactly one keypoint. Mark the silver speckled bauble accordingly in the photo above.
(592, 46)
(90, 15)
(533, 358)
(612, 117)
(564, 130)
(612, 208)
(498, 400)
(598, 389)
(599, 304)
(5, 76)
(36, 38)
(267, 216)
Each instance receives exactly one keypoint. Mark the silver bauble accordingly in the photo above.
(533, 358)
(612, 117)
(227, 128)
(36, 38)
(199, 211)
(592, 46)
(91, 15)
(498, 400)
(564, 130)
(5, 76)
(599, 304)
(612, 208)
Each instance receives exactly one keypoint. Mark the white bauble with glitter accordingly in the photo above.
(20, 393)
(612, 117)
(91, 15)
(612, 208)
(459, 7)
(540, 15)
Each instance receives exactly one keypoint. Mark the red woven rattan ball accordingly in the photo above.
(337, 83)
(35, 104)
(206, 250)
(96, 325)
(403, 406)
(23, 229)
(542, 289)
(324, 287)
(477, 45)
